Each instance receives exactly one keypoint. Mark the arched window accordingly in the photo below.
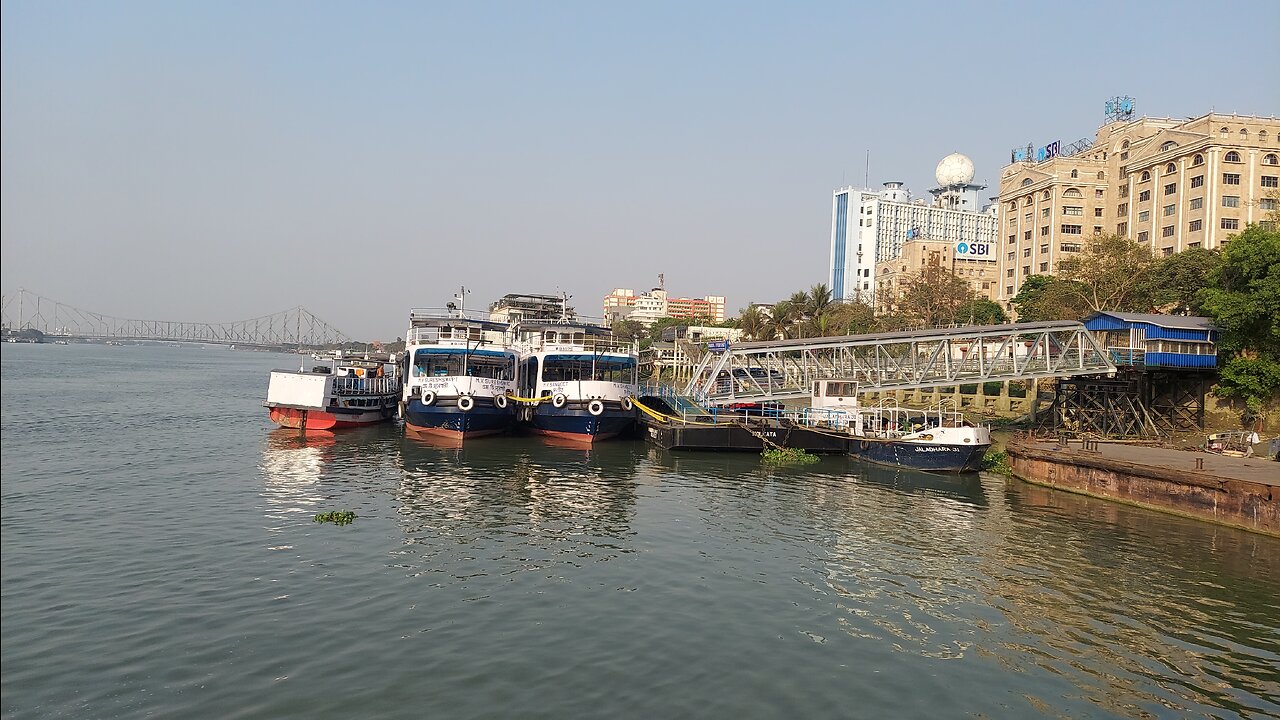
(1124, 145)
(1075, 174)
(1232, 156)
(1197, 160)
(1102, 175)
(1013, 205)
(1223, 133)
(1270, 159)
(1046, 195)
(1026, 182)
(1262, 136)
(1168, 145)
(1244, 134)
(1026, 201)
(1146, 176)
(1170, 169)
(1072, 193)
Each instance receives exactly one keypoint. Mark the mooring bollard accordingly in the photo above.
(1199, 463)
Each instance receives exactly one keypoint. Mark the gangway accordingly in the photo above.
(934, 357)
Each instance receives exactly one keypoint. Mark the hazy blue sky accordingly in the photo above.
(222, 160)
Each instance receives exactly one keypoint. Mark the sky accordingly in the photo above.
(215, 161)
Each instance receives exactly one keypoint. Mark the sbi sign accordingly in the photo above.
(978, 250)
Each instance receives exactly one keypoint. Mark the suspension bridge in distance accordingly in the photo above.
(28, 314)
(935, 357)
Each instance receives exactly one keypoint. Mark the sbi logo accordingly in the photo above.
(974, 249)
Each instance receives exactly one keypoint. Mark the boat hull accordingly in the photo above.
(579, 425)
(933, 457)
(305, 419)
(451, 422)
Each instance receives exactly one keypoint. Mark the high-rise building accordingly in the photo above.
(870, 227)
(1170, 184)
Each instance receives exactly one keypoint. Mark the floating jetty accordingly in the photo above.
(1242, 492)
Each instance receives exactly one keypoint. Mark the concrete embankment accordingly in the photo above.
(1242, 492)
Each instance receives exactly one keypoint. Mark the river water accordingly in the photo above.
(160, 559)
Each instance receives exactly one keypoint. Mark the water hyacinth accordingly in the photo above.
(337, 517)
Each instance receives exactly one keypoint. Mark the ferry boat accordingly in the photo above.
(336, 393)
(937, 439)
(459, 373)
(581, 380)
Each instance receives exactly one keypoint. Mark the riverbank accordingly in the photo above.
(1241, 492)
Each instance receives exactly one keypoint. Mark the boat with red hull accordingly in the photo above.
(345, 393)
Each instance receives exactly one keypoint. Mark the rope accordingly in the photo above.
(667, 418)
(518, 399)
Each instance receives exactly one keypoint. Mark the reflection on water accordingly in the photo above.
(292, 464)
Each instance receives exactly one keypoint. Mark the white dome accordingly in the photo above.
(954, 169)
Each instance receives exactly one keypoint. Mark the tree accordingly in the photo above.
(819, 300)
(753, 323)
(1243, 298)
(629, 329)
(850, 318)
(1176, 281)
(934, 296)
(981, 311)
(1044, 297)
(1111, 274)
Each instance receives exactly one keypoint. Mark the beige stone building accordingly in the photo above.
(1168, 183)
(892, 275)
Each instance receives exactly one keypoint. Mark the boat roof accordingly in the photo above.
(444, 317)
(587, 328)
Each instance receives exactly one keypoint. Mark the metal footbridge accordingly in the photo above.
(937, 357)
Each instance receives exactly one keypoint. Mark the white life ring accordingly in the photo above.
(428, 396)
(627, 404)
(500, 401)
(465, 403)
(559, 400)
(595, 407)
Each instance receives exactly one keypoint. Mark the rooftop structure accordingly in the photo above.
(1148, 340)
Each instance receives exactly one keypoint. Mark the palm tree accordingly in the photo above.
(786, 316)
(753, 323)
(819, 300)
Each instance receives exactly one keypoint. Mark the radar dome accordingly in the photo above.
(954, 169)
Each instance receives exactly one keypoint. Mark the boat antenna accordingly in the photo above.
(461, 297)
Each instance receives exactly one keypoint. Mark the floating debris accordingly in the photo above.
(788, 456)
(337, 517)
(997, 461)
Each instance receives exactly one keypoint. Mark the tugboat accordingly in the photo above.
(936, 440)
(581, 380)
(338, 393)
(459, 373)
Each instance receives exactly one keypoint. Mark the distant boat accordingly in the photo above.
(343, 394)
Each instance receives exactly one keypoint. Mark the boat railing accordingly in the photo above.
(345, 385)
(822, 418)
(578, 343)
(446, 313)
(432, 335)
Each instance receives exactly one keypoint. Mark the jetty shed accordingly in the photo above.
(1151, 340)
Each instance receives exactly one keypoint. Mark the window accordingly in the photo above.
(1144, 216)
(1122, 228)
(1230, 224)
(1097, 229)
(1046, 195)
(1013, 205)
(1193, 245)
(1026, 252)
(1013, 238)
(1044, 249)
(1142, 236)
(1197, 160)
(1145, 195)
(1013, 221)
(1069, 247)
(1044, 231)
(1232, 157)
(1267, 204)
(1026, 270)
(1011, 257)
(1230, 201)
(1197, 181)
(1166, 251)
(1008, 289)
(1124, 191)
(1028, 217)
(1171, 188)
(1223, 133)
(1170, 169)
(1166, 231)
(1026, 182)
(1098, 193)
(1044, 212)
(1271, 181)
(1044, 267)
(1197, 203)
(1026, 235)
(1075, 174)
(1195, 225)
(1145, 177)
(1262, 136)
(1102, 175)
(1072, 193)
(1168, 145)
(1026, 201)
(1097, 212)
(1072, 210)
(1244, 134)
(1230, 178)
(1168, 210)
(1071, 230)
(1009, 273)
(1122, 209)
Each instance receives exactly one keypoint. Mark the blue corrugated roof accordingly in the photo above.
(1182, 322)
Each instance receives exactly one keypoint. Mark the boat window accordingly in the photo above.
(443, 364)
(587, 368)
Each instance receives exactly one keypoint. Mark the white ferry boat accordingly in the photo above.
(459, 373)
(335, 393)
(938, 439)
(581, 378)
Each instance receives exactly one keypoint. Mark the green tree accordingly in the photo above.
(1044, 297)
(629, 329)
(933, 297)
(981, 311)
(1176, 281)
(753, 323)
(1243, 298)
(1110, 274)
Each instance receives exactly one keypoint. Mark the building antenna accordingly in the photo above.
(866, 178)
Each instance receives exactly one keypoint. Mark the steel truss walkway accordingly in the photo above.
(785, 369)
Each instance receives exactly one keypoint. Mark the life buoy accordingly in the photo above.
(595, 407)
(626, 404)
(428, 396)
(500, 401)
(465, 403)
(559, 400)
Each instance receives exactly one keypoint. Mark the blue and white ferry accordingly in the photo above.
(936, 439)
(580, 378)
(459, 373)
